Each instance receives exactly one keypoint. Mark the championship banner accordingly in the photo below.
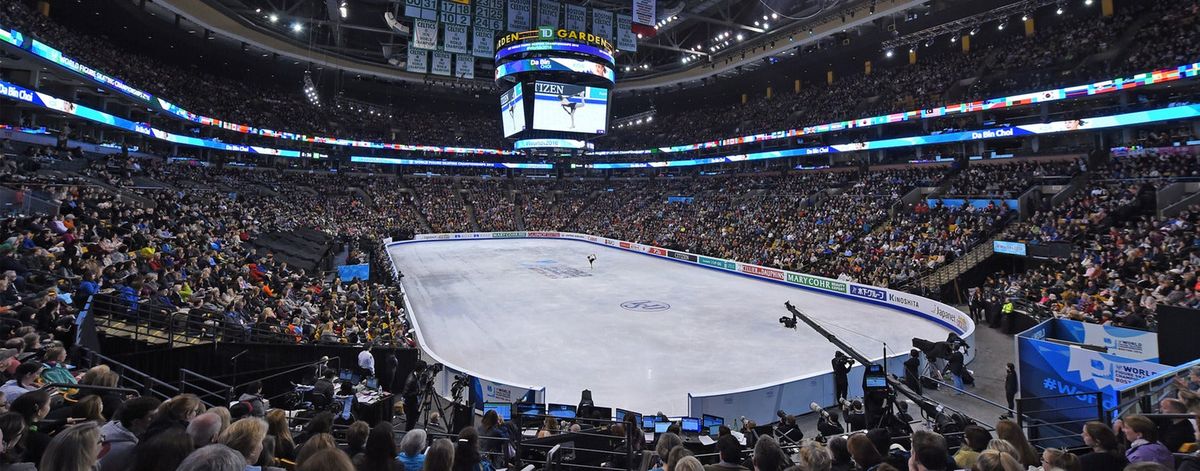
(602, 24)
(455, 13)
(441, 63)
(644, 16)
(575, 18)
(423, 9)
(489, 14)
(548, 12)
(464, 66)
(425, 34)
(456, 39)
(519, 15)
(626, 40)
(418, 61)
(481, 45)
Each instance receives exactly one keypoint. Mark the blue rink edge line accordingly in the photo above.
(905, 310)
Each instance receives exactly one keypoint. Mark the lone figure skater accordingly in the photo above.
(592, 261)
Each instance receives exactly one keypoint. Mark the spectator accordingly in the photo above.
(1054, 459)
(246, 436)
(729, 455)
(975, 440)
(330, 459)
(1106, 452)
(319, 423)
(12, 430)
(1175, 432)
(440, 456)
(675, 455)
(412, 448)
(252, 398)
(175, 413)
(689, 463)
(992, 460)
(379, 454)
(768, 456)
(356, 437)
(1009, 431)
(813, 457)
(277, 427)
(1143, 442)
(466, 452)
(204, 429)
(662, 449)
(55, 370)
(73, 449)
(23, 381)
(317, 443)
(163, 451)
(213, 458)
(838, 449)
(33, 407)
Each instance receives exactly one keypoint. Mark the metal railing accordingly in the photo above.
(140, 381)
(1053, 426)
(211, 392)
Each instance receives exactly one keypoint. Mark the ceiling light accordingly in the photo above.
(774, 16)
(1059, 11)
(739, 36)
(765, 18)
(766, 26)
(1087, 2)
(273, 17)
(1025, 17)
(888, 53)
(297, 27)
(344, 9)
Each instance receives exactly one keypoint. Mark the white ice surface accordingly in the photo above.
(494, 307)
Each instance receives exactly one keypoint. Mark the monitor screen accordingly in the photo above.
(648, 422)
(620, 414)
(372, 383)
(530, 408)
(570, 108)
(503, 409)
(512, 111)
(345, 374)
(602, 413)
(714, 430)
(561, 411)
(710, 420)
(690, 425)
(661, 427)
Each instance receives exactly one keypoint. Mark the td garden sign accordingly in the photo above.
(552, 34)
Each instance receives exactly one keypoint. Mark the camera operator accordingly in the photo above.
(854, 415)
(412, 395)
(841, 375)
(912, 371)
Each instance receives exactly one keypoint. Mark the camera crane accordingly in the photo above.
(940, 415)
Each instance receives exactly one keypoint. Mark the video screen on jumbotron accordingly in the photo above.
(512, 111)
(570, 108)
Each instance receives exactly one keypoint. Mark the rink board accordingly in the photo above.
(647, 329)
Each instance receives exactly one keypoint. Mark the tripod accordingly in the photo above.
(431, 401)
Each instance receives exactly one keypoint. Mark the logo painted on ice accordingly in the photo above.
(645, 305)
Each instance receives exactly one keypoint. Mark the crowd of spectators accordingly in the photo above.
(1010, 180)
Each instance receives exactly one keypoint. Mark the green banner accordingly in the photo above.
(814, 282)
(716, 262)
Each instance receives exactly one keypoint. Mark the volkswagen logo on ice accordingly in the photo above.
(645, 305)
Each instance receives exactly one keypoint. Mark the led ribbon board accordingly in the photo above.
(447, 163)
(1126, 119)
(555, 46)
(556, 65)
(552, 34)
(549, 144)
(58, 58)
(43, 100)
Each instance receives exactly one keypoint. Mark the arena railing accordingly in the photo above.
(1054, 433)
(142, 382)
(211, 392)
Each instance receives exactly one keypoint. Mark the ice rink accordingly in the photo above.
(639, 331)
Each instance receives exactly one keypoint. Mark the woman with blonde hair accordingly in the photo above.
(89, 408)
(74, 449)
(175, 413)
(440, 456)
(246, 436)
(549, 428)
(992, 460)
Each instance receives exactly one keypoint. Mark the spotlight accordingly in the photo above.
(954, 39)
(273, 17)
(888, 53)
(1087, 2)
(774, 16)
(1001, 26)
(297, 27)
(344, 9)
(1025, 17)
(1059, 11)
(739, 37)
